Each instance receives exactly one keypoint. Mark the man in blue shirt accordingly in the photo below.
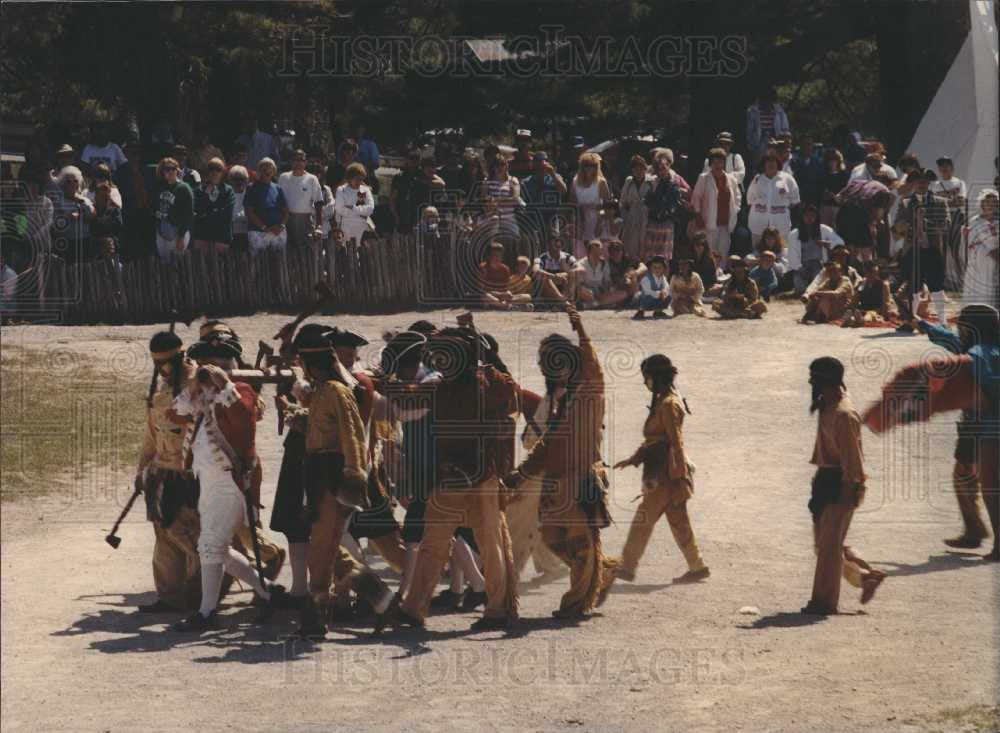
(543, 192)
(368, 153)
(979, 429)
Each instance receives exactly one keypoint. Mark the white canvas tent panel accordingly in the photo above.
(961, 121)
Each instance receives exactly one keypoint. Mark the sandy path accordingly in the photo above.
(77, 657)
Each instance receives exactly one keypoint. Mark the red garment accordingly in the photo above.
(919, 391)
(365, 396)
(238, 423)
(495, 276)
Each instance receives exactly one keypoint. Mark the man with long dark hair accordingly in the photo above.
(838, 488)
(567, 457)
(667, 475)
(171, 492)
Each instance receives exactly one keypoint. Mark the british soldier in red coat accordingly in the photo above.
(222, 454)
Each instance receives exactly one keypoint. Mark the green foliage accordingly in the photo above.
(842, 84)
(203, 66)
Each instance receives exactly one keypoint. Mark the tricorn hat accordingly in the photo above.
(218, 348)
(345, 337)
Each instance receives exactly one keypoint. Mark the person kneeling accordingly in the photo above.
(654, 291)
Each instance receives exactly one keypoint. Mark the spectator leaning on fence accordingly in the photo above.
(174, 211)
(354, 204)
(102, 174)
(214, 202)
(267, 212)
(326, 208)
(239, 179)
(304, 197)
(107, 224)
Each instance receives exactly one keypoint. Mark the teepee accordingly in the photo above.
(961, 123)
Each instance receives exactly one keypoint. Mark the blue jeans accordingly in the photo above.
(651, 302)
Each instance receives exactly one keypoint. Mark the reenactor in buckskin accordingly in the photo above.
(567, 457)
(171, 492)
(336, 481)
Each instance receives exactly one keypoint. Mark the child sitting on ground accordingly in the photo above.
(654, 291)
(765, 275)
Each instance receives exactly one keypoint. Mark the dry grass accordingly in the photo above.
(62, 416)
(974, 719)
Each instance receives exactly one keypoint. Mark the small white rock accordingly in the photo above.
(750, 611)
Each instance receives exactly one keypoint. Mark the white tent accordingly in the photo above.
(961, 121)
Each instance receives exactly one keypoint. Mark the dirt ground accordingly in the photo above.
(922, 656)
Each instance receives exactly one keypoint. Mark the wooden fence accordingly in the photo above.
(390, 274)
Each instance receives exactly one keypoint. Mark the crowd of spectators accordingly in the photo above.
(786, 220)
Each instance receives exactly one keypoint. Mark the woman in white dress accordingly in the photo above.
(354, 204)
(980, 283)
(633, 206)
(587, 194)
